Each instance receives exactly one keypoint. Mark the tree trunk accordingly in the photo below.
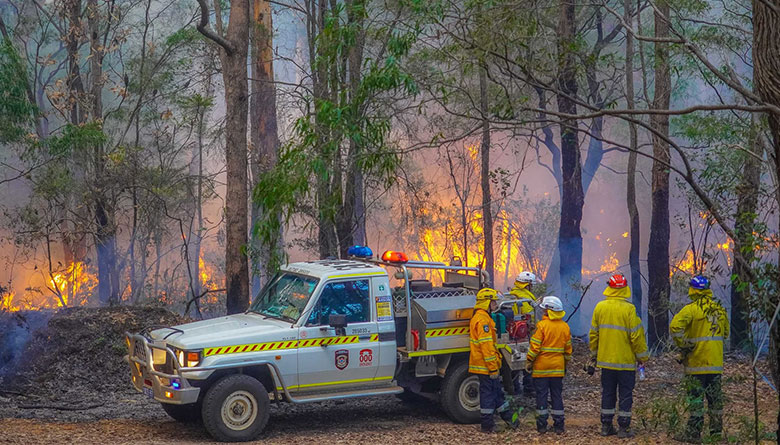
(744, 226)
(263, 130)
(196, 225)
(105, 236)
(73, 238)
(633, 211)
(572, 197)
(234, 74)
(766, 69)
(352, 221)
(658, 251)
(487, 211)
(326, 230)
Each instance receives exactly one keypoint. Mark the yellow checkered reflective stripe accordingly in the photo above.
(445, 332)
(290, 344)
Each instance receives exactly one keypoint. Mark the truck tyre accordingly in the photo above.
(460, 394)
(235, 408)
(189, 413)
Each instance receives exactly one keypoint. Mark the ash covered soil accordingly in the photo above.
(71, 385)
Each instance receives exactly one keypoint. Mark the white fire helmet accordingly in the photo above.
(551, 302)
(526, 277)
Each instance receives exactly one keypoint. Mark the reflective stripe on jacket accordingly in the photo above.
(484, 358)
(700, 327)
(617, 337)
(550, 347)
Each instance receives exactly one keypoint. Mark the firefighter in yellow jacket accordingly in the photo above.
(550, 351)
(699, 330)
(617, 340)
(522, 289)
(485, 361)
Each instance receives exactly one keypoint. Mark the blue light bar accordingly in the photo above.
(360, 252)
(176, 384)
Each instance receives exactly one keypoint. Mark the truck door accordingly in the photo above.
(383, 302)
(330, 361)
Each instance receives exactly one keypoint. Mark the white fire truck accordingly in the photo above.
(324, 330)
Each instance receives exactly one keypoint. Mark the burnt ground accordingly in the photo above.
(71, 386)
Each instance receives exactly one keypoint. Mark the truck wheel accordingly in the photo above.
(235, 408)
(460, 394)
(189, 413)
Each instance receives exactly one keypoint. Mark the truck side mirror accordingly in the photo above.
(339, 322)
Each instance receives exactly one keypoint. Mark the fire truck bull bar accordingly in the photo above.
(160, 385)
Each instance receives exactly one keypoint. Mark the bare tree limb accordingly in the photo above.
(203, 28)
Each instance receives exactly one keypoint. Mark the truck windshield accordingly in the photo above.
(284, 296)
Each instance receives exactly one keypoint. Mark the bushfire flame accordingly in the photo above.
(207, 281)
(70, 286)
(73, 285)
(442, 246)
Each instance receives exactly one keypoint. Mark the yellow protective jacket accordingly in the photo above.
(484, 358)
(520, 290)
(617, 337)
(700, 327)
(550, 346)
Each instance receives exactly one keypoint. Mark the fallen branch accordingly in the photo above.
(14, 393)
(61, 407)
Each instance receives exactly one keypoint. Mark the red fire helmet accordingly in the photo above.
(617, 281)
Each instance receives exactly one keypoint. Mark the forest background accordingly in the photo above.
(177, 152)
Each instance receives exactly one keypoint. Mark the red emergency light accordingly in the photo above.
(392, 256)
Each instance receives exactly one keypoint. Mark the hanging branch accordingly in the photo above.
(203, 28)
(579, 303)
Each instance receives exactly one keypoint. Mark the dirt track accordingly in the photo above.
(131, 418)
(76, 363)
(358, 422)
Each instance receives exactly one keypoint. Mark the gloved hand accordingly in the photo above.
(529, 366)
(683, 355)
(590, 367)
(494, 376)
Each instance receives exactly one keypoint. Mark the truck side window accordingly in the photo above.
(350, 298)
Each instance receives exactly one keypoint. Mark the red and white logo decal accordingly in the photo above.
(366, 357)
(342, 358)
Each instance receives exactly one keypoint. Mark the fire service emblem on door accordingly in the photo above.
(342, 358)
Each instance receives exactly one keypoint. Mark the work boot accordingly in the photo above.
(625, 432)
(559, 429)
(493, 429)
(541, 429)
(607, 429)
(507, 415)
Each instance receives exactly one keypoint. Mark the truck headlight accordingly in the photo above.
(193, 358)
(158, 356)
(187, 359)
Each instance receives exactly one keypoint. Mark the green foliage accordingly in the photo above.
(185, 35)
(77, 138)
(17, 112)
(666, 413)
(347, 118)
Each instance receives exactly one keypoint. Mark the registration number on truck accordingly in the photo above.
(149, 393)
